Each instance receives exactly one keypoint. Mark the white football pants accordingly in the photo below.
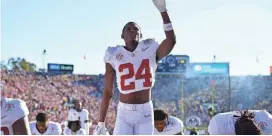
(134, 119)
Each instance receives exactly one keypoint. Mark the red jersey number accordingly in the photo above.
(144, 67)
(4, 131)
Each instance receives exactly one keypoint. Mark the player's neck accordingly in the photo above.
(73, 132)
(131, 46)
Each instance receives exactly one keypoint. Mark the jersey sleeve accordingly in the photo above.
(66, 131)
(154, 45)
(23, 110)
(108, 56)
(82, 132)
(20, 110)
(265, 123)
(31, 125)
(212, 128)
(58, 129)
(156, 132)
(178, 126)
(69, 115)
(86, 112)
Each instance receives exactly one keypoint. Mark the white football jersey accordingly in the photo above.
(135, 71)
(11, 111)
(53, 128)
(79, 132)
(224, 123)
(173, 127)
(82, 116)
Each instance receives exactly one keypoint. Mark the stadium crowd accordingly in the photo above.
(54, 94)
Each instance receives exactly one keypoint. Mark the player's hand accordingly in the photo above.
(160, 4)
(100, 129)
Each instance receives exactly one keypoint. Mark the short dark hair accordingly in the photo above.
(71, 122)
(42, 117)
(128, 24)
(245, 125)
(160, 115)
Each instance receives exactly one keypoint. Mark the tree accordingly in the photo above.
(21, 64)
(12, 62)
(3, 66)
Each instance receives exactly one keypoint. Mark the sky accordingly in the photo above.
(236, 31)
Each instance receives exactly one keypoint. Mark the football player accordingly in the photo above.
(74, 128)
(134, 66)
(167, 125)
(14, 120)
(44, 127)
(252, 122)
(80, 114)
(14, 112)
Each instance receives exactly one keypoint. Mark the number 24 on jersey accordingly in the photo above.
(144, 67)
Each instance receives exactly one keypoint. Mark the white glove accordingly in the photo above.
(100, 129)
(160, 4)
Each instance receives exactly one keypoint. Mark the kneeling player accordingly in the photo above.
(74, 128)
(14, 120)
(167, 125)
(253, 122)
(44, 127)
(80, 114)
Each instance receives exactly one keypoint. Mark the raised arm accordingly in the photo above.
(167, 44)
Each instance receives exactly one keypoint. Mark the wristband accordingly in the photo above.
(164, 10)
(102, 124)
(168, 27)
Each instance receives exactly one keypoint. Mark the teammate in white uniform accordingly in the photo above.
(244, 123)
(44, 127)
(74, 128)
(167, 125)
(80, 114)
(14, 120)
(134, 67)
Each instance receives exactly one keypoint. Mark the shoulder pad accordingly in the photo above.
(53, 123)
(86, 111)
(32, 124)
(111, 50)
(22, 107)
(108, 54)
(149, 41)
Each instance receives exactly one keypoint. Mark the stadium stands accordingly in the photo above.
(54, 94)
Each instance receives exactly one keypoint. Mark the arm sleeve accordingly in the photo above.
(212, 128)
